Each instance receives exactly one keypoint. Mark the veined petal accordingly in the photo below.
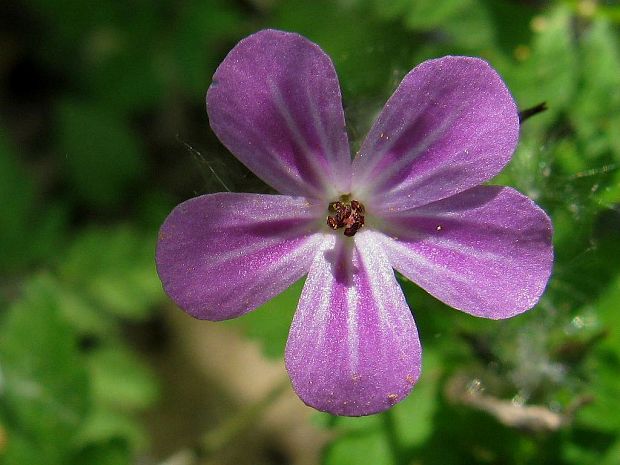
(275, 104)
(353, 348)
(222, 255)
(451, 125)
(486, 251)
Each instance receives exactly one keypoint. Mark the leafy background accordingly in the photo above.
(103, 131)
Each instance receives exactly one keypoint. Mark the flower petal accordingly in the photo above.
(275, 104)
(486, 251)
(353, 348)
(451, 125)
(222, 255)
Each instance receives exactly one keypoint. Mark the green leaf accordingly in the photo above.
(120, 380)
(368, 446)
(27, 232)
(122, 63)
(470, 29)
(17, 194)
(612, 455)
(364, 51)
(112, 452)
(108, 48)
(595, 112)
(414, 416)
(603, 367)
(510, 22)
(137, 70)
(104, 427)
(270, 323)
(423, 14)
(389, 437)
(101, 153)
(82, 313)
(115, 270)
(548, 71)
(596, 106)
(202, 26)
(45, 392)
(68, 22)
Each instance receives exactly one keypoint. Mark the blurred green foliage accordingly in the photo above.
(70, 383)
(94, 98)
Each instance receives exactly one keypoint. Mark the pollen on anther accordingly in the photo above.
(347, 214)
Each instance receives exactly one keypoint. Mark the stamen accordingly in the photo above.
(347, 215)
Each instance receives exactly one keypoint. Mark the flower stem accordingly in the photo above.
(217, 439)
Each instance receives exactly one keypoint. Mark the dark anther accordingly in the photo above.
(347, 215)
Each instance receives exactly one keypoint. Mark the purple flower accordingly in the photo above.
(410, 200)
